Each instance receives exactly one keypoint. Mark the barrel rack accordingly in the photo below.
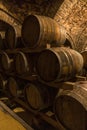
(38, 119)
(46, 116)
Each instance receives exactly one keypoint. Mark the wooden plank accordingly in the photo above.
(81, 78)
(52, 122)
(23, 104)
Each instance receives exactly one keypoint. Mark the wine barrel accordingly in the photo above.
(38, 30)
(39, 96)
(69, 42)
(58, 64)
(3, 82)
(70, 107)
(10, 37)
(84, 54)
(23, 64)
(15, 87)
(7, 62)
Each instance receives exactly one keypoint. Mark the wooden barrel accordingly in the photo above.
(69, 41)
(57, 64)
(84, 54)
(10, 37)
(38, 30)
(15, 87)
(39, 96)
(70, 107)
(3, 82)
(23, 64)
(7, 62)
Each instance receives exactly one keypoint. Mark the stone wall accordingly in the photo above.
(7, 17)
(73, 16)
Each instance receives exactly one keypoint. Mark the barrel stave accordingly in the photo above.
(23, 63)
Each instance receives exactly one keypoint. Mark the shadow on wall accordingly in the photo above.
(53, 8)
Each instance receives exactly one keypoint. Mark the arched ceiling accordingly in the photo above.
(21, 8)
(13, 12)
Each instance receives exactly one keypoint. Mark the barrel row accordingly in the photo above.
(17, 62)
(37, 95)
(54, 64)
(36, 32)
(9, 39)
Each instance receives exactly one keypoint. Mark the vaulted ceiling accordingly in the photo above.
(21, 8)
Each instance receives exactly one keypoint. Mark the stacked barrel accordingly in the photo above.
(44, 51)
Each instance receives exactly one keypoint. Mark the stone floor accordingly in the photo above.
(7, 122)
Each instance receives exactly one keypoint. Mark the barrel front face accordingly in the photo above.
(48, 66)
(37, 31)
(5, 61)
(21, 63)
(31, 31)
(39, 96)
(71, 113)
(12, 86)
(33, 96)
(10, 37)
